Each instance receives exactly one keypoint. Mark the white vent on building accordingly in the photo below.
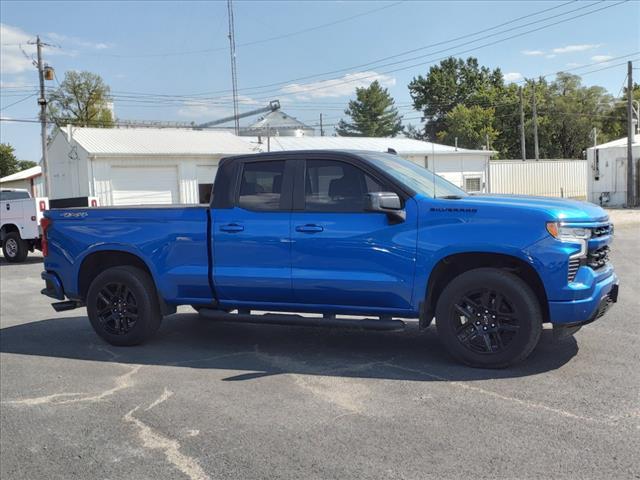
(473, 184)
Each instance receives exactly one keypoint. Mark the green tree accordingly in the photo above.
(9, 164)
(372, 113)
(472, 126)
(615, 126)
(569, 111)
(453, 82)
(82, 99)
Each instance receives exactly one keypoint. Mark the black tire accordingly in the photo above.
(123, 306)
(488, 318)
(14, 248)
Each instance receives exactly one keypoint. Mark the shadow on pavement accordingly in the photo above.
(186, 340)
(28, 261)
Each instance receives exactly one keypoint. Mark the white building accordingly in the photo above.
(132, 166)
(607, 172)
(465, 168)
(30, 179)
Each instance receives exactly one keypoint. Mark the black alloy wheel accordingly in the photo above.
(117, 308)
(123, 306)
(488, 318)
(487, 321)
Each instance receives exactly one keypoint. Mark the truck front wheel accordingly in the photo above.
(488, 318)
(123, 306)
(14, 248)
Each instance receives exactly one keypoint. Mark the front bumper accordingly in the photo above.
(579, 311)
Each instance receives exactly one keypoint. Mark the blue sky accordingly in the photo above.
(170, 60)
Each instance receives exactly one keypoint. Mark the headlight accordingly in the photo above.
(568, 234)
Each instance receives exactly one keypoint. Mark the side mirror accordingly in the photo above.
(386, 202)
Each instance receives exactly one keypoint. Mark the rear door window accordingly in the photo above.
(261, 185)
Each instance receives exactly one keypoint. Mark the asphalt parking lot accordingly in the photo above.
(213, 400)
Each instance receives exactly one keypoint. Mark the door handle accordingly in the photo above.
(231, 228)
(309, 228)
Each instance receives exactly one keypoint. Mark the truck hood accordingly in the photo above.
(555, 208)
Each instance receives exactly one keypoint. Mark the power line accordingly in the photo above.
(457, 53)
(257, 42)
(425, 47)
(352, 67)
(19, 101)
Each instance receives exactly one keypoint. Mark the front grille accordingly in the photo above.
(598, 258)
(601, 231)
(574, 264)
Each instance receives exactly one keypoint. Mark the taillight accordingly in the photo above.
(45, 223)
(94, 202)
(42, 205)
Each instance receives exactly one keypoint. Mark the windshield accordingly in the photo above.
(414, 176)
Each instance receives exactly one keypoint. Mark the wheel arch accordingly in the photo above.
(453, 265)
(96, 262)
(8, 228)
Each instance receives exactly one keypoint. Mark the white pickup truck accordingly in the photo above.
(20, 223)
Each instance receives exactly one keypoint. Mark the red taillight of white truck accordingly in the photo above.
(45, 223)
(42, 205)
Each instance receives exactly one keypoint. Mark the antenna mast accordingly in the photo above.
(234, 76)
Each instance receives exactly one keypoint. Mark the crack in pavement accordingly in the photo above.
(122, 382)
(154, 440)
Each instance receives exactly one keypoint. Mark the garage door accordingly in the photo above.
(144, 185)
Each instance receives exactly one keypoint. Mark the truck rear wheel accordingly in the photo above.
(14, 248)
(488, 318)
(123, 306)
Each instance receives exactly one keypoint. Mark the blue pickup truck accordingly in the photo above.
(339, 234)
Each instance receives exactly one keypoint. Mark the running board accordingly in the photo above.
(299, 320)
(66, 305)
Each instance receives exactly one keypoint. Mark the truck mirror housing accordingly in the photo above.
(386, 202)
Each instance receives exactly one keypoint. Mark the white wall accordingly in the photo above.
(455, 167)
(191, 171)
(68, 172)
(547, 178)
(608, 176)
(24, 184)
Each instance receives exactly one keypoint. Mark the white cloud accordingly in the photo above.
(601, 58)
(337, 87)
(68, 41)
(512, 76)
(17, 54)
(576, 48)
(212, 111)
(574, 64)
(533, 53)
(12, 60)
(551, 55)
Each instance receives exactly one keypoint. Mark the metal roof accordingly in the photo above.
(620, 142)
(156, 141)
(405, 146)
(23, 175)
(278, 119)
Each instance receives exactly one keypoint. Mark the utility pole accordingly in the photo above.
(522, 144)
(321, 129)
(234, 75)
(42, 101)
(535, 122)
(630, 134)
(594, 132)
